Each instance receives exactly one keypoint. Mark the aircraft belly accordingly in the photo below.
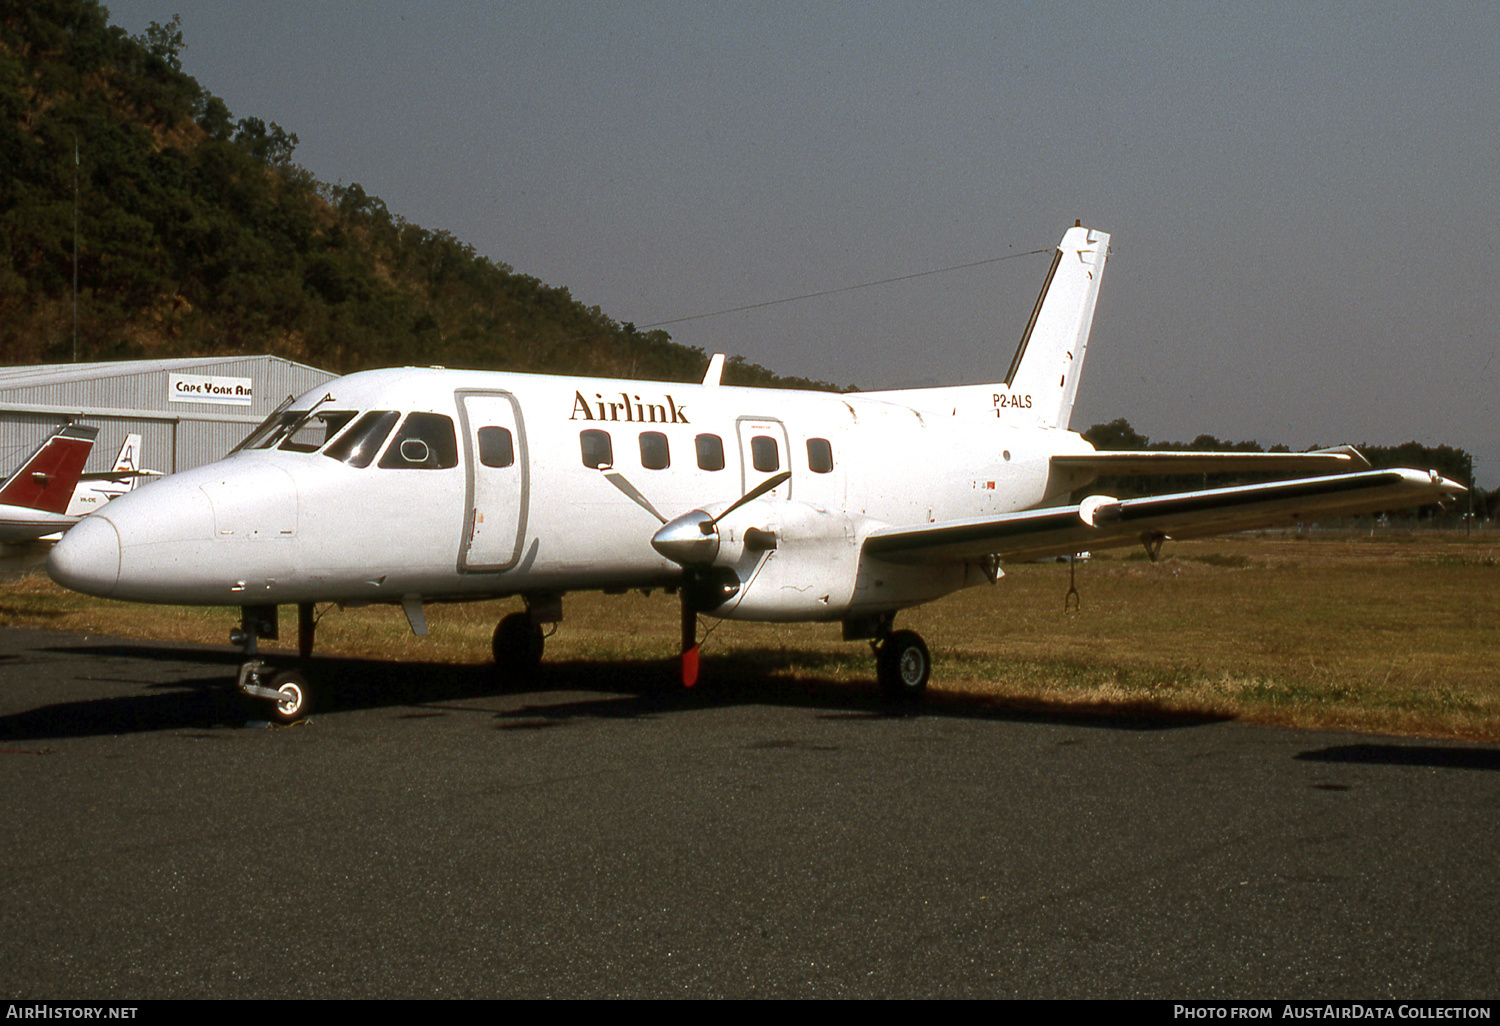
(883, 586)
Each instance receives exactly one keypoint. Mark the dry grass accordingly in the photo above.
(1393, 634)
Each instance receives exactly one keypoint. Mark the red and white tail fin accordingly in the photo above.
(47, 479)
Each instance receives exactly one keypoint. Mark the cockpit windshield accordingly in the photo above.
(298, 430)
(313, 433)
(295, 431)
(266, 427)
(360, 443)
(426, 441)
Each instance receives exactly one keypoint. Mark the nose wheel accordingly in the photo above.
(288, 692)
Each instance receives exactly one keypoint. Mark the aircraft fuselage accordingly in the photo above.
(446, 484)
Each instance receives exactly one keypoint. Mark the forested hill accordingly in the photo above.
(198, 234)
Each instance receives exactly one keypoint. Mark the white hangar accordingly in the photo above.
(187, 411)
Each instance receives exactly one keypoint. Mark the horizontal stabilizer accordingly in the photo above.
(1101, 522)
(117, 475)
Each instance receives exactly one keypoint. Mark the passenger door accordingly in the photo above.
(763, 454)
(496, 468)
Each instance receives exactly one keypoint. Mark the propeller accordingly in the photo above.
(692, 542)
(617, 479)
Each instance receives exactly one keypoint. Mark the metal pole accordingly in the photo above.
(75, 249)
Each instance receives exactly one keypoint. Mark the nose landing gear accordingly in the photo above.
(288, 691)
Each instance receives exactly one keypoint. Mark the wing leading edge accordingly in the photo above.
(1101, 522)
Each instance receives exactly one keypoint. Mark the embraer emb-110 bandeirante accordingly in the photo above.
(429, 485)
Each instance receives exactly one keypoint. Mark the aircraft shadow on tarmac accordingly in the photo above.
(173, 699)
(1429, 756)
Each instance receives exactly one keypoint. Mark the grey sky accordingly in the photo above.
(1299, 193)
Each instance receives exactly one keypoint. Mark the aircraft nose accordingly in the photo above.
(87, 559)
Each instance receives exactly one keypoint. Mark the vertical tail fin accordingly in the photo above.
(130, 456)
(47, 479)
(1043, 375)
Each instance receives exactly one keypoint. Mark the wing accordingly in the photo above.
(1149, 461)
(1101, 522)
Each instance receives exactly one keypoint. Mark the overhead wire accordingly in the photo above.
(846, 288)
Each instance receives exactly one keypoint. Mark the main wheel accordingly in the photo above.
(295, 697)
(903, 665)
(518, 645)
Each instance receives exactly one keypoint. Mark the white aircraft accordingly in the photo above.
(94, 490)
(430, 485)
(34, 500)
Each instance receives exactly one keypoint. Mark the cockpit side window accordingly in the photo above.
(360, 443)
(426, 441)
(313, 433)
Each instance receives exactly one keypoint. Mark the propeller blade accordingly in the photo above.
(618, 480)
(765, 486)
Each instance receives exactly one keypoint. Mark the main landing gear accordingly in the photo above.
(519, 639)
(287, 691)
(518, 645)
(902, 666)
(902, 663)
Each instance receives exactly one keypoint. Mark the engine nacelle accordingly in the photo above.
(794, 560)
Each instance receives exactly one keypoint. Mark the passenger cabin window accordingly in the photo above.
(312, 434)
(764, 456)
(358, 446)
(496, 447)
(597, 449)
(654, 452)
(425, 442)
(819, 455)
(710, 452)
